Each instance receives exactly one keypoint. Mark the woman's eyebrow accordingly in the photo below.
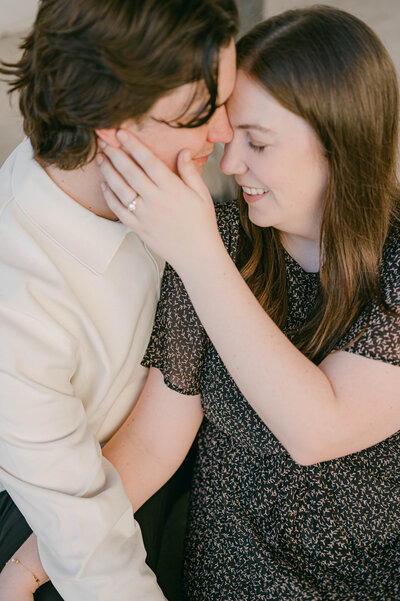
(255, 126)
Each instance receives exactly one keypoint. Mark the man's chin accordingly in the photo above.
(199, 167)
(199, 162)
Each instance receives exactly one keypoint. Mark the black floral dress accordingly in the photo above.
(260, 526)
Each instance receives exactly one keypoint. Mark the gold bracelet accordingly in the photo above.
(18, 562)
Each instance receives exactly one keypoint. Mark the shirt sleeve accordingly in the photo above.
(179, 343)
(376, 333)
(52, 467)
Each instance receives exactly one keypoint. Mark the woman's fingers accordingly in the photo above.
(155, 169)
(122, 168)
(123, 213)
(121, 189)
(135, 169)
(190, 175)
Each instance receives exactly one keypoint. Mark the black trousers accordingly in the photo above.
(162, 521)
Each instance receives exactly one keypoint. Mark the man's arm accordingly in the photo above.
(52, 467)
(146, 450)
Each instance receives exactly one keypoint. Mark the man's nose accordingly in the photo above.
(220, 129)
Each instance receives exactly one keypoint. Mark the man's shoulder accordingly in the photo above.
(6, 175)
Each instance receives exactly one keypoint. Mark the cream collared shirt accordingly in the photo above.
(77, 301)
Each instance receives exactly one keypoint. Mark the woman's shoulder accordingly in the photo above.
(227, 214)
(391, 267)
(376, 332)
(392, 246)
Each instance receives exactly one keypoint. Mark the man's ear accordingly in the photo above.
(109, 135)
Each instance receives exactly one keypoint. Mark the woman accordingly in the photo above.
(281, 325)
(296, 492)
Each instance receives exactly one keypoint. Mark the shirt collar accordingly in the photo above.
(90, 239)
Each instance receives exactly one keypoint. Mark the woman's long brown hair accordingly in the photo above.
(329, 68)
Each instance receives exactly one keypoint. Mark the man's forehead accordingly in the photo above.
(187, 100)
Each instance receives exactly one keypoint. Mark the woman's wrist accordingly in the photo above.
(198, 260)
(19, 578)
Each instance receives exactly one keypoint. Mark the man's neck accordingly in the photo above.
(83, 186)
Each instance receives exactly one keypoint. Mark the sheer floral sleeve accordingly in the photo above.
(380, 330)
(179, 343)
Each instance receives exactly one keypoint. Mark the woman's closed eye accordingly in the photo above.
(255, 146)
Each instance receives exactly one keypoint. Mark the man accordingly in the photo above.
(78, 289)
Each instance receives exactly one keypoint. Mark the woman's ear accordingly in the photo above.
(109, 136)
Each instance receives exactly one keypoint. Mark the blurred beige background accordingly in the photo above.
(17, 15)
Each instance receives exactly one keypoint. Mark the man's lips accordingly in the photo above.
(201, 160)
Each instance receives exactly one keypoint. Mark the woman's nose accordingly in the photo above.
(231, 163)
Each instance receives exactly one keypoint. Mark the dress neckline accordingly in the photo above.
(298, 268)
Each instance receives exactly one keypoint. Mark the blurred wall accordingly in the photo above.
(16, 15)
(382, 15)
(251, 12)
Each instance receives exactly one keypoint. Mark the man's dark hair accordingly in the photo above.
(90, 64)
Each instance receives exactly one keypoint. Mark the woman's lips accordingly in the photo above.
(253, 194)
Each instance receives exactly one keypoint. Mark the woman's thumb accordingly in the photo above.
(189, 174)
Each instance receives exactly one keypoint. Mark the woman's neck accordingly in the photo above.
(304, 251)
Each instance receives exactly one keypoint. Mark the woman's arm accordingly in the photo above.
(155, 439)
(345, 404)
(147, 449)
(18, 581)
